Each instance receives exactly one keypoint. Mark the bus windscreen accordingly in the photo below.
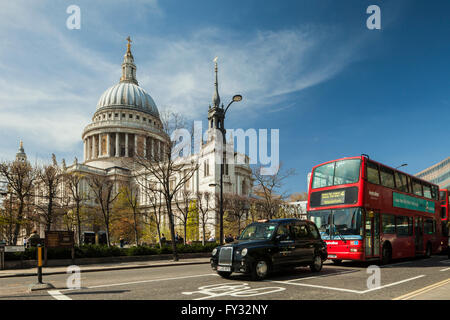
(336, 173)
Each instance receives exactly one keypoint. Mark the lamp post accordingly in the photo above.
(402, 165)
(236, 98)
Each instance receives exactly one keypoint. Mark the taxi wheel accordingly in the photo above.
(317, 264)
(260, 269)
(224, 274)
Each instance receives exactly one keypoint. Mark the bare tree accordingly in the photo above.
(183, 209)
(105, 194)
(237, 208)
(156, 203)
(130, 191)
(298, 196)
(49, 177)
(268, 187)
(20, 176)
(72, 182)
(204, 208)
(167, 168)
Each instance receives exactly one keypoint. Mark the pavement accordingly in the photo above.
(103, 267)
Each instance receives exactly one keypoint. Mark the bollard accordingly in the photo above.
(2, 258)
(39, 265)
(39, 285)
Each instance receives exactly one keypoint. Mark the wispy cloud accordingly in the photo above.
(51, 79)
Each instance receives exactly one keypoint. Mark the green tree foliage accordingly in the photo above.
(192, 227)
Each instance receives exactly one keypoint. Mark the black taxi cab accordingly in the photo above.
(268, 245)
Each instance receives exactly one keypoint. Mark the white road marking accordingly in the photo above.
(347, 290)
(315, 277)
(445, 269)
(392, 284)
(315, 286)
(58, 295)
(238, 290)
(144, 281)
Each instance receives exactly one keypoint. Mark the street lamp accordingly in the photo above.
(402, 165)
(236, 98)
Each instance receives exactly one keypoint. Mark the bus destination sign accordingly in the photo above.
(333, 197)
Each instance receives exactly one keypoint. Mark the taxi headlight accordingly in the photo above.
(214, 251)
(244, 252)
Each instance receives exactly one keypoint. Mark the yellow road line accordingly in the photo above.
(423, 290)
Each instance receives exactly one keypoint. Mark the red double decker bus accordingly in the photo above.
(368, 211)
(444, 199)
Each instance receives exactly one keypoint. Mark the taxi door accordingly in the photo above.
(284, 240)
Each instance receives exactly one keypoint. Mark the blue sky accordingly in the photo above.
(309, 68)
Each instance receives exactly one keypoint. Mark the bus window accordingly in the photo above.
(408, 182)
(373, 176)
(388, 223)
(434, 192)
(401, 182)
(347, 171)
(428, 226)
(403, 225)
(323, 176)
(336, 173)
(441, 195)
(417, 188)
(387, 177)
(443, 212)
(426, 190)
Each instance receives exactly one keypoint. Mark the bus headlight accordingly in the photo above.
(244, 252)
(214, 252)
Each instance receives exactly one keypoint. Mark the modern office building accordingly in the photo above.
(438, 174)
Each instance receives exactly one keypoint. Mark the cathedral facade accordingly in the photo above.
(126, 125)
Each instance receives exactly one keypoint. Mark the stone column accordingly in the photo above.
(135, 145)
(152, 148)
(99, 145)
(108, 147)
(90, 147)
(126, 144)
(145, 147)
(117, 144)
(160, 155)
(87, 148)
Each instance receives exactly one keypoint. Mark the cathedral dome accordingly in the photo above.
(128, 95)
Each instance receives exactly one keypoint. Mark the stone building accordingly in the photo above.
(127, 125)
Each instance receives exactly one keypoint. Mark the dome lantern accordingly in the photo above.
(128, 66)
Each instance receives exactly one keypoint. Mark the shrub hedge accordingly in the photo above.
(96, 251)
